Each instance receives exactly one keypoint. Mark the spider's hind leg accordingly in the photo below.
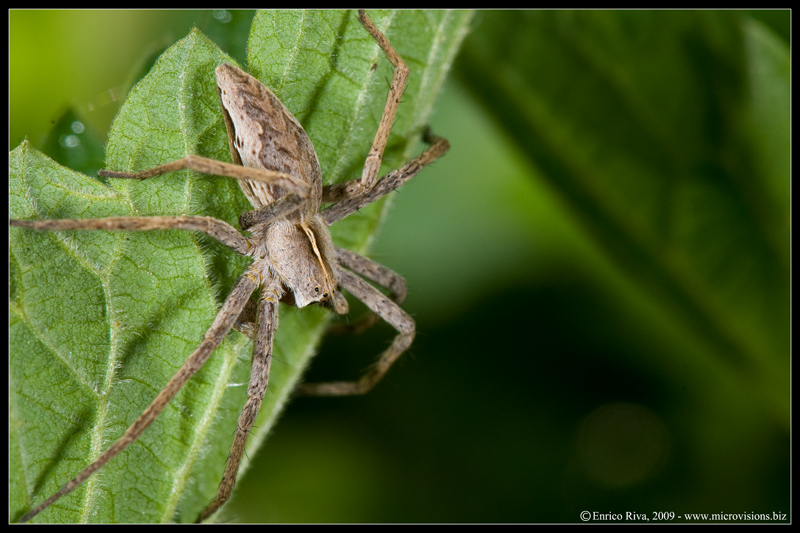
(346, 203)
(372, 165)
(213, 167)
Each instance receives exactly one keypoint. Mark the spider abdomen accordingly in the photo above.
(264, 134)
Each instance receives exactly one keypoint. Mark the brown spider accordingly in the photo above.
(294, 258)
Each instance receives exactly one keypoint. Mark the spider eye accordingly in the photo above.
(316, 289)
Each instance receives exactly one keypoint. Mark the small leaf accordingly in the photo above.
(99, 321)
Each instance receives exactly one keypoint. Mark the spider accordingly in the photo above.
(294, 258)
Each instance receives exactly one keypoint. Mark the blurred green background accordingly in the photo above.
(599, 269)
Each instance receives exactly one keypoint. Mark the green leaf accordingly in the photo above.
(99, 321)
(665, 134)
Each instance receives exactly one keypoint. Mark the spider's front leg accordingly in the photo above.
(383, 276)
(211, 340)
(267, 324)
(391, 313)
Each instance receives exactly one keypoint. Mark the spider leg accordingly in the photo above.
(376, 272)
(394, 179)
(372, 165)
(213, 337)
(365, 186)
(246, 323)
(390, 312)
(277, 209)
(259, 379)
(218, 229)
(218, 168)
(383, 276)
